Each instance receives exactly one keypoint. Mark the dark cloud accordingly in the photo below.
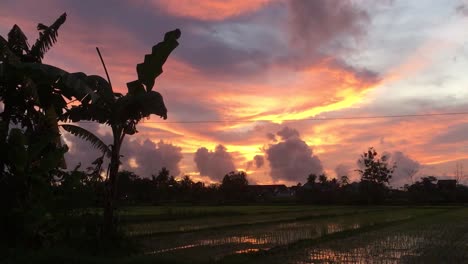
(453, 134)
(245, 45)
(81, 151)
(326, 32)
(320, 23)
(406, 169)
(271, 137)
(287, 133)
(189, 108)
(462, 9)
(214, 164)
(292, 159)
(213, 55)
(151, 157)
(342, 170)
(259, 161)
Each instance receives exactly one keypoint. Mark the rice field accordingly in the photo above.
(299, 234)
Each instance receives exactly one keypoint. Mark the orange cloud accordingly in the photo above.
(319, 89)
(210, 9)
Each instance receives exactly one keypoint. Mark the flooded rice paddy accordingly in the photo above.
(407, 235)
(442, 239)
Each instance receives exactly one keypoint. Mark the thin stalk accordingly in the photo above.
(104, 65)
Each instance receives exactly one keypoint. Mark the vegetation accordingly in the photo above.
(39, 196)
(375, 173)
(122, 113)
(33, 100)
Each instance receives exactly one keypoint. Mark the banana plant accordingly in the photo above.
(30, 99)
(122, 113)
(34, 97)
(29, 88)
(29, 137)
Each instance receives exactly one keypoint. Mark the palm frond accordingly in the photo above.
(17, 41)
(47, 37)
(88, 136)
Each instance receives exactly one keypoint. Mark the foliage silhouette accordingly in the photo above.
(32, 103)
(122, 113)
(375, 173)
(234, 186)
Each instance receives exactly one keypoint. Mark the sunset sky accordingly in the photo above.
(249, 78)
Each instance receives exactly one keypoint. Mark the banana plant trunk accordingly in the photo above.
(111, 183)
(4, 128)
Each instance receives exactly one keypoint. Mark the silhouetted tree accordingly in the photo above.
(344, 180)
(375, 173)
(234, 186)
(186, 182)
(375, 169)
(162, 179)
(312, 178)
(322, 179)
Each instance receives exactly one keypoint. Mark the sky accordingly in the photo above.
(269, 86)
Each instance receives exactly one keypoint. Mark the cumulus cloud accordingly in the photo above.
(406, 169)
(214, 164)
(342, 170)
(80, 151)
(287, 133)
(146, 157)
(292, 159)
(259, 161)
(271, 137)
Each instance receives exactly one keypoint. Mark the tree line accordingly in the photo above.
(373, 188)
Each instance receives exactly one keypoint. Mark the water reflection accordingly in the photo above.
(411, 243)
(249, 250)
(253, 239)
(390, 249)
(258, 237)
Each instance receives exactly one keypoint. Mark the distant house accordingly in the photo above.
(308, 186)
(294, 189)
(447, 185)
(268, 191)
